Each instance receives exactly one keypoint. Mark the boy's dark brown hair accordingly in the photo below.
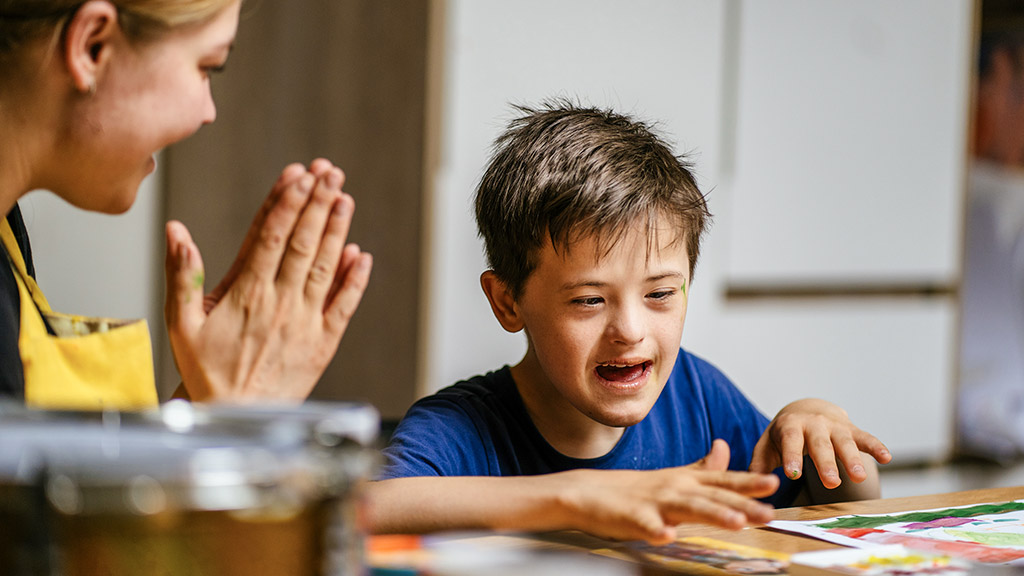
(566, 172)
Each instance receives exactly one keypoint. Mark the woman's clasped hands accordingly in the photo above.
(273, 324)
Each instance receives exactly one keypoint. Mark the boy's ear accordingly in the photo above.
(87, 43)
(502, 303)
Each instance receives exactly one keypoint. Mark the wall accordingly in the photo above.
(97, 264)
(832, 140)
(656, 59)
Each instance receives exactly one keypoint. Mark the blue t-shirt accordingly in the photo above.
(480, 427)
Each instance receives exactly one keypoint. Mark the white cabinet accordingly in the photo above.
(850, 143)
(846, 187)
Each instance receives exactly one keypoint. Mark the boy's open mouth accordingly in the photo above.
(623, 372)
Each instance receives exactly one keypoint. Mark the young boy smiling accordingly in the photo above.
(592, 229)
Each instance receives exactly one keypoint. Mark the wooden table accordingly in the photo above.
(758, 537)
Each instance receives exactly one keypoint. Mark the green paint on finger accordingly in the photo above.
(794, 474)
(197, 284)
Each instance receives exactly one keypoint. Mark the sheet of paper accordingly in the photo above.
(991, 533)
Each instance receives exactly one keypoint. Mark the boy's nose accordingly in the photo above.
(627, 326)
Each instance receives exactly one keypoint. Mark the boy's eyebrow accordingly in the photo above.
(598, 284)
(583, 284)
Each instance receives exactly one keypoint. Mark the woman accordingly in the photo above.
(89, 92)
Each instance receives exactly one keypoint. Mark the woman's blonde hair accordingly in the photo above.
(22, 22)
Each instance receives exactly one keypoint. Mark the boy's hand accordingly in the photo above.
(823, 431)
(273, 324)
(647, 505)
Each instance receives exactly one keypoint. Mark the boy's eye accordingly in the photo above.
(588, 301)
(661, 294)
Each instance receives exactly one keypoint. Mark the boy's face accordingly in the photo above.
(604, 329)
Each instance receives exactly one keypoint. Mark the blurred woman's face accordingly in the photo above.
(154, 94)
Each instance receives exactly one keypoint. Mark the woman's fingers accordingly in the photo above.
(345, 300)
(288, 177)
(183, 266)
(330, 262)
(319, 227)
(272, 240)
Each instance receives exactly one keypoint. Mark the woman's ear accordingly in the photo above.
(87, 43)
(503, 305)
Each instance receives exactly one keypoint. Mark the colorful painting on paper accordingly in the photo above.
(991, 533)
(703, 556)
(878, 561)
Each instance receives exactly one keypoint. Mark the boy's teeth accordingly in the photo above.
(620, 373)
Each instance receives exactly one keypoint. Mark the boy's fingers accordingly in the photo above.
(822, 452)
(751, 510)
(651, 527)
(792, 452)
(720, 507)
(765, 457)
(717, 458)
(868, 443)
(746, 484)
(848, 453)
(707, 511)
(329, 258)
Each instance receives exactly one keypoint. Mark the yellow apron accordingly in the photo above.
(92, 363)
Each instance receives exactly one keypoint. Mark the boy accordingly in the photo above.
(592, 229)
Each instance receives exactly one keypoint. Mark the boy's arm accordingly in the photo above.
(833, 445)
(619, 504)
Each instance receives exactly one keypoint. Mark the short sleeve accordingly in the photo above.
(437, 437)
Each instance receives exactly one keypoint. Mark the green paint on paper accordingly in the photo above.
(966, 512)
(989, 538)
